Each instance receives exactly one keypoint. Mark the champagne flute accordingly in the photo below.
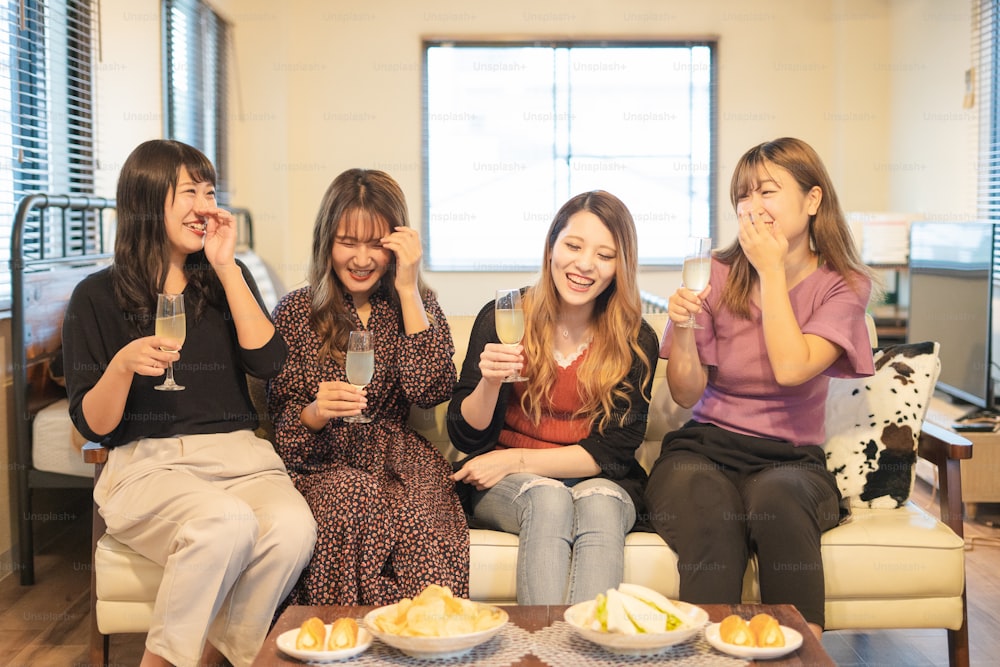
(697, 270)
(510, 322)
(170, 323)
(360, 365)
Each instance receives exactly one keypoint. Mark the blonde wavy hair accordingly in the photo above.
(371, 201)
(829, 236)
(616, 321)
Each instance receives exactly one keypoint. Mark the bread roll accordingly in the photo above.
(734, 630)
(343, 634)
(767, 631)
(311, 635)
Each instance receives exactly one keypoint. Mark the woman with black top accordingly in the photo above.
(187, 484)
(553, 457)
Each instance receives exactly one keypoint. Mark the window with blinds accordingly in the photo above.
(195, 45)
(986, 56)
(46, 119)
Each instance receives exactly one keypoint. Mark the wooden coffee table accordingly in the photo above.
(534, 618)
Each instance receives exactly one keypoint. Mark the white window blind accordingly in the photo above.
(195, 40)
(46, 118)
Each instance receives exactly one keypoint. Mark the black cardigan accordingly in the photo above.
(614, 450)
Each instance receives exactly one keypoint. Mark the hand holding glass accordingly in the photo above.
(170, 323)
(510, 322)
(360, 367)
(697, 270)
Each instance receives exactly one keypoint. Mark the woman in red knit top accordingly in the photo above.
(552, 459)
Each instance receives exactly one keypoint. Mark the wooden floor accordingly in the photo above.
(47, 624)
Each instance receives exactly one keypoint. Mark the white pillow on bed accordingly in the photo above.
(52, 442)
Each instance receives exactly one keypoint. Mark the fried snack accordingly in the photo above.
(734, 630)
(435, 612)
(767, 631)
(343, 634)
(311, 635)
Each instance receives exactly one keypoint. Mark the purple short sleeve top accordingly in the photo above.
(742, 394)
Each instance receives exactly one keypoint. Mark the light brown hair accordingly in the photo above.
(616, 320)
(829, 236)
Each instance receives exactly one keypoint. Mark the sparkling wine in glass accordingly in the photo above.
(510, 322)
(697, 269)
(360, 366)
(170, 323)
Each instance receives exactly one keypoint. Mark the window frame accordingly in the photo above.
(986, 52)
(50, 139)
(494, 264)
(195, 98)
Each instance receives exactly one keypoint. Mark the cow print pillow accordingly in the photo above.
(873, 423)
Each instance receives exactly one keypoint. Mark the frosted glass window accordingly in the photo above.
(514, 130)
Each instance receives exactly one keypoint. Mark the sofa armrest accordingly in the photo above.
(98, 455)
(95, 453)
(946, 450)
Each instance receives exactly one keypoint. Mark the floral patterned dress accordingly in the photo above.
(389, 520)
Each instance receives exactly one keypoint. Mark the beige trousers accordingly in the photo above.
(232, 533)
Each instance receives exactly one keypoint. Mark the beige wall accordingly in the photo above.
(327, 89)
(875, 85)
(319, 88)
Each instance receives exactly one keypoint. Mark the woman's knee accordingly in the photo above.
(788, 501)
(228, 531)
(363, 507)
(599, 502)
(683, 475)
(293, 532)
(689, 486)
(545, 495)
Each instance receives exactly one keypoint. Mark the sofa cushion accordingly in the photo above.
(55, 443)
(901, 553)
(125, 576)
(873, 424)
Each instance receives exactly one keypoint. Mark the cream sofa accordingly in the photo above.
(898, 568)
(886, 568)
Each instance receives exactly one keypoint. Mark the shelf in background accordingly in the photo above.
(890, 323)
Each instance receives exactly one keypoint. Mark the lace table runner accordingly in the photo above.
(507, 647)
(559, 644)
(556, 645)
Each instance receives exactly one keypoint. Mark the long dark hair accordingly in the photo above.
(142, 250)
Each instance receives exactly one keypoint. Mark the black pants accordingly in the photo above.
(716, 497)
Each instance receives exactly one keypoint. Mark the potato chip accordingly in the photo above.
(435, 612)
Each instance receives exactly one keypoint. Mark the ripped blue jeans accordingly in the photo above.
(571, 534)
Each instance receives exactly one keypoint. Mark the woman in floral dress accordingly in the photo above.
(389, 521)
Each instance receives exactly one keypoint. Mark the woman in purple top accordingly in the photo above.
(783, 312)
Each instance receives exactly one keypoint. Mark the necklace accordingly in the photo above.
(564, 331)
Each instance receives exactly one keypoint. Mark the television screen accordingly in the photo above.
(951, 302)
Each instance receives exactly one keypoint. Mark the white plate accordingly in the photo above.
(641, 644)
(286, 642)
(433, 648)
(793, 640)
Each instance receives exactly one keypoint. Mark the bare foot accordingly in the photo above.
(816, 630)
